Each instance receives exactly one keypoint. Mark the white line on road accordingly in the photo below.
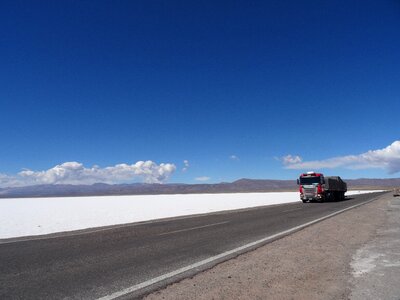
(193, 228)
(215, 258)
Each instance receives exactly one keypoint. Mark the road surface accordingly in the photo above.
(106, 264)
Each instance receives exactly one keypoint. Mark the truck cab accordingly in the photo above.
(311, 186)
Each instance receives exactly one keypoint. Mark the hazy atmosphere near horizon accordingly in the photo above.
(197, 91)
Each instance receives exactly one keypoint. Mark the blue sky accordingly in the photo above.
(116, 82)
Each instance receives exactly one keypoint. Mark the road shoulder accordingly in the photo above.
(376, 265)
(313, 263)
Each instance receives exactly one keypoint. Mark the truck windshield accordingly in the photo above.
(310, 180)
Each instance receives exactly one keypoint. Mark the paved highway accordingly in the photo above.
(114, 262)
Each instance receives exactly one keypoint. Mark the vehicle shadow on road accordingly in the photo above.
(331, 201)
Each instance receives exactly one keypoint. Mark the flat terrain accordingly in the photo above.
(98, 264)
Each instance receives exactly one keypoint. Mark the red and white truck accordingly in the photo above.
(315, 186)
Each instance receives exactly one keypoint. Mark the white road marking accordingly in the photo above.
(211, 259)
(193, 228)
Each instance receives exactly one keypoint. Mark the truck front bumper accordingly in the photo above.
(310, 197)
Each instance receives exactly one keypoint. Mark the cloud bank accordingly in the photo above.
(77, 173)
(202, 178)
(387, 158)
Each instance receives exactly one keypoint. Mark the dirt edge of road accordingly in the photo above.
(314, 263)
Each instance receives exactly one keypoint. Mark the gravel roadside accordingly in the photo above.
(376, 265)
(314, 263)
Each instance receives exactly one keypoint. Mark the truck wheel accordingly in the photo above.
(339, 196)
(330, 197)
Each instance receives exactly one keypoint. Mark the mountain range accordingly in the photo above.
(240, 186)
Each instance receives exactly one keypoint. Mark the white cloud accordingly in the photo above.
(186, 165)
(76, 173)
(6, 180)
(202, 178)
(289, 159)
(234, 157)
(387, 158)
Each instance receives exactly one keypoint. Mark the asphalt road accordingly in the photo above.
(96, 264)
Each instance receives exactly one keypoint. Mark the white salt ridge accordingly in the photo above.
(37, 216)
